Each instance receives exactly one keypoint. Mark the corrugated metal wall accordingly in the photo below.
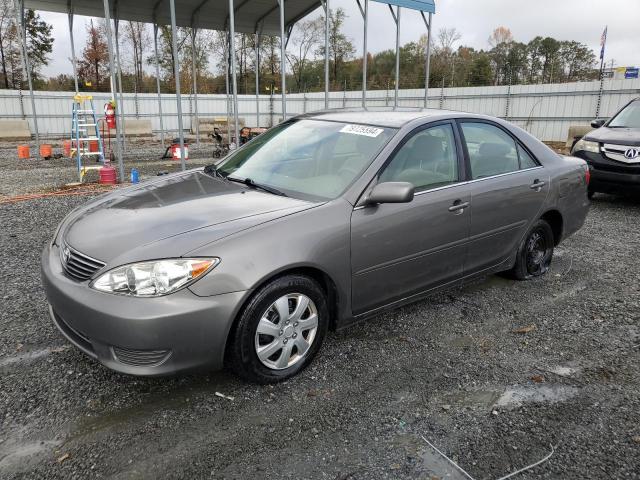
(546, 111)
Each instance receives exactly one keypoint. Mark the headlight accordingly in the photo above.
(587, 146)
(155, 278)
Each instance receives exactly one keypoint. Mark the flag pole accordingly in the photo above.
(603, 42)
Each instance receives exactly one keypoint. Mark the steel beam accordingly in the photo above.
(27, 66)
(176, 72)
(428, 24)
(157, 62)
(283, 65)
(327, 14)
(234, 80)
(112, 71)
(73, 51)
(396, 19)
(257, 53)
(365, 16)
(123, 134)
(194, 32)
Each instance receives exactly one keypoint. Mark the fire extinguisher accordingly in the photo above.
(110, 114)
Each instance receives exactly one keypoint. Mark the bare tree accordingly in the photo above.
(135, 40)
(304, 40)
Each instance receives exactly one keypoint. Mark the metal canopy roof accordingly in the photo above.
(208, 14)
(428, 6)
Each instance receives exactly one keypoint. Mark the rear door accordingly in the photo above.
(398, 250)
(508, 189)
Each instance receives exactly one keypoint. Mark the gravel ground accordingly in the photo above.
(492, 374)
(22, 176)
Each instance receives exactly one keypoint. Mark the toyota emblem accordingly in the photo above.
(632, 153)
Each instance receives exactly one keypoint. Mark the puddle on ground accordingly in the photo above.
(511, 397)
(514, 397)
(28, 356)
(17, 456)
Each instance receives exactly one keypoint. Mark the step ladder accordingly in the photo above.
(84, 129)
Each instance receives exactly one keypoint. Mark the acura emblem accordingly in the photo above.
(632, 153)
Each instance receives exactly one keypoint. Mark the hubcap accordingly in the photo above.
(537, 253)
(286, 331)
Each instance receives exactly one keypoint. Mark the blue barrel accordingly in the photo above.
(135, 177)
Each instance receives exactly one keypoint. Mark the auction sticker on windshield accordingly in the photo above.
(362, 130)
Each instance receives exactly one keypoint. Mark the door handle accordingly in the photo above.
(458, 206)
(537, 185)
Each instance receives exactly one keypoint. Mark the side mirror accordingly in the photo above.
(598, 122)
(391, 192)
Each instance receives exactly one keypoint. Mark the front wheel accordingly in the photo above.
(535, 253)
(279, 331)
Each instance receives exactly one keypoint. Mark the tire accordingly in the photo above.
(590, 194)
(285, 338)
(535, 253)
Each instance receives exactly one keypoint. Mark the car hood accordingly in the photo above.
(620, 136)
(170, 217)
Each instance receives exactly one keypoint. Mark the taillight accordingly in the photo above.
(587, 176)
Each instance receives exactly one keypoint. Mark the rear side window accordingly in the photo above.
(526, 161)
(491, 150)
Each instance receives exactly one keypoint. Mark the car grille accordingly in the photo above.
(77, 265)
(617, 153)
(140, 358)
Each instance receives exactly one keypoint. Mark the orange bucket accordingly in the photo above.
(66, 146)
(46, 151)
(93, 145)
(23, 151)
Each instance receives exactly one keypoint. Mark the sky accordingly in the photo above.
(580, 20)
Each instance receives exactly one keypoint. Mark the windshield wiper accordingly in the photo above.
(250, 183)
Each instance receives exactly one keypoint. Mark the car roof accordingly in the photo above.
(394, 118)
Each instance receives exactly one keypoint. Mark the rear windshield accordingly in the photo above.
(308, 159)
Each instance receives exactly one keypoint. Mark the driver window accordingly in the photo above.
(427, 160)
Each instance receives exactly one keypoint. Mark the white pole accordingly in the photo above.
(234, 80)
(157, 62)
(123, 135)
(283, 64)
(327, 14)
(194, 32)
(107, 16)
(176, 72)
(73, 52)
(257, 52)
(397, 18)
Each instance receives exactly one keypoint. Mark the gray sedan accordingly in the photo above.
(324, 220)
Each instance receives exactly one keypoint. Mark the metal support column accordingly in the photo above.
(234, 80)
(73, 52)
(123, 134)
(194, 32)
(283, 64)
(365, 16)
(27, 66)
(176, 72)
(428, 24)
(157, 62)
(257, 53)
(396, 18)
(327, 14)
(107, 16)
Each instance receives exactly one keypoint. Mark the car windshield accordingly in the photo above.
(629, 117)
(308, 159)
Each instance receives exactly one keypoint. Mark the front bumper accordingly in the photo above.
(609, 176)
(139, 336)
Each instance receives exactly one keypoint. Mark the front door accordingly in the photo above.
(398, 250)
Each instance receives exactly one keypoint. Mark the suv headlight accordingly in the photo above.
(154, 278)
(587, 146)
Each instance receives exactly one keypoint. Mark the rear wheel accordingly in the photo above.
(280, 330)
(535, 253)
(590, 194)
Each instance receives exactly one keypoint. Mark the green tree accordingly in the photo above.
(341, 48)
(481, 72)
